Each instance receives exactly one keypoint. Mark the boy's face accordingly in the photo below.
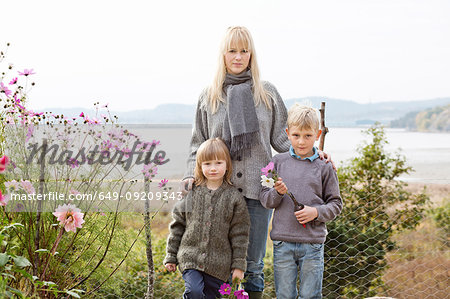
(302, 140)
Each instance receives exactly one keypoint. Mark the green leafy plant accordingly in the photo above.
(376, 205)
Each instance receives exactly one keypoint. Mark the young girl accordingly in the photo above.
(209, 233)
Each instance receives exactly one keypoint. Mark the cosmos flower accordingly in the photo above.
(13, 81)
(269, 168)
(163, 183)
(26, 72)
(27, 186)
(267, 182)
(4, 88)
(3, 199)
(4, 161)
(241, 294)
(225, 289)
(69, 216)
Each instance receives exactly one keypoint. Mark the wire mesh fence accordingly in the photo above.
(414, 266)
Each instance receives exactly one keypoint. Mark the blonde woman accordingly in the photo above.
(250, 116)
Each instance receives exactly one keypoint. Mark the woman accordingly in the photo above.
(250, 116)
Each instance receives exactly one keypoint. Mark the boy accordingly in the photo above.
(299, 236)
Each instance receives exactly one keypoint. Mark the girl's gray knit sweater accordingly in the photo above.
(209, 232)
(272, 124)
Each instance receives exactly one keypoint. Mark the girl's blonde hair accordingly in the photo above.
(237, 36)
(212, 149)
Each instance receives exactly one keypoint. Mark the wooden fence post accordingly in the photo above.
(322, 126)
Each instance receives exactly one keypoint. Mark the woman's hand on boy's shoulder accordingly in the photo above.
(186, 186)
(327, 158)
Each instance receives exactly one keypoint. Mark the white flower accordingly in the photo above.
(267, 182)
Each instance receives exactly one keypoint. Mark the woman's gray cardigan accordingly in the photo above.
(272, 124)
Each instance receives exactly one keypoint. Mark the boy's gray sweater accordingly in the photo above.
(209, 232)
(313, 184)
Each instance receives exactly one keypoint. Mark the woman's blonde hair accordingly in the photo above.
(237, 36)
(212, 149)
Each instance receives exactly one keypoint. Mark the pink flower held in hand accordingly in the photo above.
(26, 72)
(3, 199)
(225, 289)
(163, 183)
(69, 216)
(4, 161)
(266, 170)
(241, 294)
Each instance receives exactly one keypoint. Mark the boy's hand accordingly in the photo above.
(306, 215)
(237, 274)
(171, 267)
(280, 187)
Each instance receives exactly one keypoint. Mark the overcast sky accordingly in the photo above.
(139, 54)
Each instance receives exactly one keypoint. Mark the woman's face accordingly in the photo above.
(237, 59)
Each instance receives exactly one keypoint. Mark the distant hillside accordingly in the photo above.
(429, 120)
(339, 113)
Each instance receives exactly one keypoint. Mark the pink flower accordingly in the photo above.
(74, 191)
(27, 186)
(105, 106)
(225, 289)
(241, 294)
(73, 162)
(3, 199)
(4, 161)
(163, 183)
(4, 88)
(12, 185)
(27, 72)
(149, 171)
(13, 81)
(82, 114)
(69, 216)
(267, 169)
(30, 132)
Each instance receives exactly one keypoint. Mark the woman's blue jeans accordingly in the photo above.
(259, 226)
(291, 260)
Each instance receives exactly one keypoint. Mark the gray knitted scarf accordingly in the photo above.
(240, 128)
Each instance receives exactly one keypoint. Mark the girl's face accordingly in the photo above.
(214, 170)
(237, 59)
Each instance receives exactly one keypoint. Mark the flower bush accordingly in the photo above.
(63, 157)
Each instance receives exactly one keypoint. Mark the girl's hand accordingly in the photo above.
(171, 267)
(238, 274)
(323, 155)
(306, 214)
(280, 186)
(186, 186)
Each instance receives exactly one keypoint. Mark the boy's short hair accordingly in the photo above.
(304, 117)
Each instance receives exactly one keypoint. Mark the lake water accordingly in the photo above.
(427, 153)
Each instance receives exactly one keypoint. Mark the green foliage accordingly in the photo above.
(375, 206)
(441, 216)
